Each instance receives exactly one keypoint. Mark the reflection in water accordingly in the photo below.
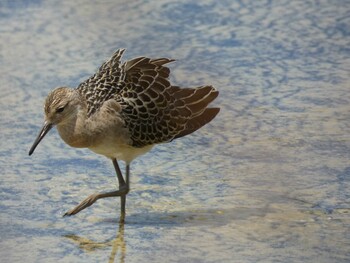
(118, 244)
(89, 245)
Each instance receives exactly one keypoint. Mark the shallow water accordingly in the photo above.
(267, 181)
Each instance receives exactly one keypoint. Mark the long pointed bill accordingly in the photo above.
(47, 126)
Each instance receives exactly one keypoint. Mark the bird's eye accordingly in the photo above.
(58, 110)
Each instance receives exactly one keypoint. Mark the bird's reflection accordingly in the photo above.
(117, 244)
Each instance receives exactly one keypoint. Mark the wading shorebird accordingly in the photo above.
(122, 111)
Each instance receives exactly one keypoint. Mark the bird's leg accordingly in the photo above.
(123, 185)
(123, 197)
(123, 190)
(120, 177)
(92, 199)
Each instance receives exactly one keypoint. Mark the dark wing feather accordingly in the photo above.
(104, 84)
(154, 111)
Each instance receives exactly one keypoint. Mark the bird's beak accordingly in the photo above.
(47, 126)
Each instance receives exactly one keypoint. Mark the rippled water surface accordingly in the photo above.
(267, 181)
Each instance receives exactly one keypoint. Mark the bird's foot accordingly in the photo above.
(84, 204)
(123, 191)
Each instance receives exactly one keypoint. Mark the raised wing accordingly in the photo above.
(104, 84)
(155, 111)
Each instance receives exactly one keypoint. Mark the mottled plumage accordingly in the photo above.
(122, 111)
(153, 110)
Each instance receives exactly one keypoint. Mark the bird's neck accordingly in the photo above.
(73, 131)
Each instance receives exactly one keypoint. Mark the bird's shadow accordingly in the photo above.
(198, 217)
(208, 218)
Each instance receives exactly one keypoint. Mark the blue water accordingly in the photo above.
(268, 180)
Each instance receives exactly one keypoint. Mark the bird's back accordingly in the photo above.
(153, 110)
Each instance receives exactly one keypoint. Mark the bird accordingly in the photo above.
(122, 111)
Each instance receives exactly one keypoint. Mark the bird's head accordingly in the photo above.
(60, 105)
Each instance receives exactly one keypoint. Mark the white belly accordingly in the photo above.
(120, 151)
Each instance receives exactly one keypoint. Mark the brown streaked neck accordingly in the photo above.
(72, 130)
